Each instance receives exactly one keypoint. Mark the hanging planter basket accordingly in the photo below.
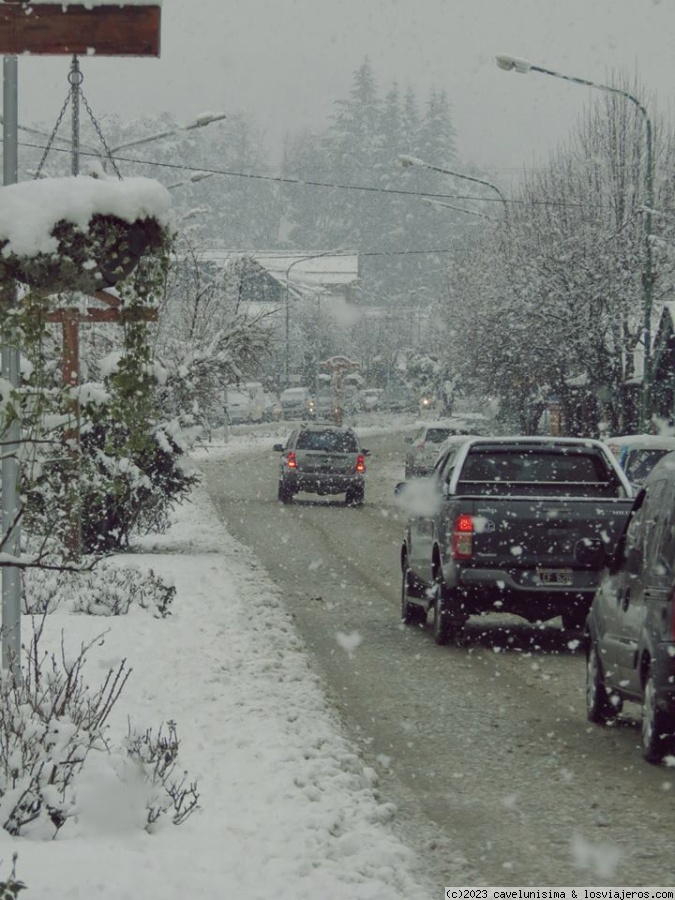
(87, 261)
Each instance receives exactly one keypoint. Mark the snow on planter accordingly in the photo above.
(80, 233)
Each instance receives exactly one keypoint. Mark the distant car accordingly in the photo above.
(238, 407)
(425, 444)
(630, 629)
(639, 453)
(454, 440)
(297, 403)
(370, 399)
(322, 459)
(271, 408)
(325, 404)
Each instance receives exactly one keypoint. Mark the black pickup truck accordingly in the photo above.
(517, 525)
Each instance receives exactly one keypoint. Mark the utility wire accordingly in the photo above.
(336, 185)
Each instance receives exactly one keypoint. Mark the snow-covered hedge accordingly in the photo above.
(105, 590)
(53, 735)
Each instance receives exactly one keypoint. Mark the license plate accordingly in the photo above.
(562, 577)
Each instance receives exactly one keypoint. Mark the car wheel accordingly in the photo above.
(448, 621)
(411, 613)
(657, 727)
(354, 496)
(285, 494)
(600, 706)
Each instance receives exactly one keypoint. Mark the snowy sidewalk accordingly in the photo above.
(288, 810)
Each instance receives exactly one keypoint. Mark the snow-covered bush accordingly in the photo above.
(105, 590)
(52, 725)
(9, 889)
(49, 722)
(170, 792)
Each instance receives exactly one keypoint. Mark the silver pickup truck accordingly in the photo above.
(517, 525)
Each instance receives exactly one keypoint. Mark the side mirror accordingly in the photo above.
(278, 448)
(365, 452)
(400, 488)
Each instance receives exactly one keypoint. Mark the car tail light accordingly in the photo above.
(291, 461)
(462, 537)
(360, 463)
(420, 446)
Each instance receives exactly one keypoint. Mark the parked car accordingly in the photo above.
(370, 399)
(454, 440)
(271, 408)
(325, 404)
(639, 453)
(514, 525)
(425, 444)
(238, 406)
(297, 403)
(322, 459)
(630, 630)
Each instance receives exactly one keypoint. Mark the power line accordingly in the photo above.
(276, 178)
(279, 179)
(337, 185)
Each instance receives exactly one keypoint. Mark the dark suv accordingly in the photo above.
(322, 459)
(630, 630)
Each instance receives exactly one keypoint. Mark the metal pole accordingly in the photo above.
(648, 278)
(75, 79)
(11, 581)
(288, 311)
(421, 164)
(523, 66)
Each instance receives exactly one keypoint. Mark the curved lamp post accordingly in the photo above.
(429, 201)
(413, 161)
(288, 307)
(75, 145)
(522, 66)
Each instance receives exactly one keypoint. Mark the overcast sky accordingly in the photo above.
(285, 62)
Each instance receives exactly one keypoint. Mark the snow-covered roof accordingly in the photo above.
(301, 270)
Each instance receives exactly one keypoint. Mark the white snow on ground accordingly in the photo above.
(288, 810)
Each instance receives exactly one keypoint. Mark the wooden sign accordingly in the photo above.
(54, 29)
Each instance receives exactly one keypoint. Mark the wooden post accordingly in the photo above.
(70, 318)
(49, 28)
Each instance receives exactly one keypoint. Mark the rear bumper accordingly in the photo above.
(517, 592)
(322, 483)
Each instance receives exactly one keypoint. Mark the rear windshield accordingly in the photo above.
(639, 463)
(293, 394)
(438, 435)
(330, 441)
(579, 471)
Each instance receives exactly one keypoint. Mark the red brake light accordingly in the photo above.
(420, 446)
(291, 461)
(462, 537)
(360, 463)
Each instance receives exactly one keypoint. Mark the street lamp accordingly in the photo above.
(522, 66)
(200, 122)
(288, 308)
(413, 161)
(192, 179)
(429, 201)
